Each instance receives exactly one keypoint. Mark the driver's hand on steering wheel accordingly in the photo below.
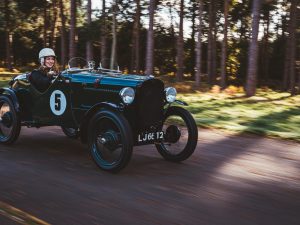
(52, 74)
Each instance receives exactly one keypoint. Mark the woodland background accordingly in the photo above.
(250, 43)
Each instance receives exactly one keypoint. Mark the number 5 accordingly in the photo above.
(57, 102)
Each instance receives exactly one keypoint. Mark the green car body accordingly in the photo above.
(79, 99)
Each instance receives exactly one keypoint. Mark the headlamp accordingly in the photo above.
(127, 95)
(170, 94)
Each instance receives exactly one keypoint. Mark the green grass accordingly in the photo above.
(4, 80)
(269, 113)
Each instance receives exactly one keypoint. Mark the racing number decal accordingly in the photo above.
(58, 102)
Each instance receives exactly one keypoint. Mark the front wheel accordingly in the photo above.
(10, 124)
(181, 135)
(110, 140)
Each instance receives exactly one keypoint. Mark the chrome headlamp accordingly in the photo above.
(170, 94)
(127, 95)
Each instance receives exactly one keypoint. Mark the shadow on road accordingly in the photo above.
(53, 178)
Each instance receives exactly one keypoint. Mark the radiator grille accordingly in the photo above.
(150, 104)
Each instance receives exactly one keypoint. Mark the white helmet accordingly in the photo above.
(44, 53)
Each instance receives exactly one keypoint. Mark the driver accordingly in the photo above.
(41, 78)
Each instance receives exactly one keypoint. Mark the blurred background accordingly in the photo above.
(160, 37)
(216, 53)
(235, 62)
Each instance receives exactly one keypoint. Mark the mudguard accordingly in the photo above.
(12, 95)
(89, 114)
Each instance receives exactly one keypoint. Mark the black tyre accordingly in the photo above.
(10, 124)
(70, 132)
(181, 135)
(110, 140)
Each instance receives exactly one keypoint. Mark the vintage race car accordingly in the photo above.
(106, 109)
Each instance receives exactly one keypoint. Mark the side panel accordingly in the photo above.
(88, 91)
(54, 107)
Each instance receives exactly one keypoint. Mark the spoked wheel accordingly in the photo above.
(110, 140)
(70, 132)
(10, 125)
(181, 135)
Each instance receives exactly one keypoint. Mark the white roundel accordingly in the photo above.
(58, 102)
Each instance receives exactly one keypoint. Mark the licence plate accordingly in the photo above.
(151, 137)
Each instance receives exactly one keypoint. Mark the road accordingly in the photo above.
(230, 179)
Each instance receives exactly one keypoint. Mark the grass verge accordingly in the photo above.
(4, 80)
(268, 113)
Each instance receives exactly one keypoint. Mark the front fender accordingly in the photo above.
(89, 114)
(181, 102)
(13, 97)
(176, 102)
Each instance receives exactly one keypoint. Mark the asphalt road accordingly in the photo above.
(229, 180)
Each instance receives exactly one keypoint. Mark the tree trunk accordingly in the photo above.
(53, 24)
(104, 59)
(46, 25)
(292, 41)
(285, 28)
(63, 34)
(89, 47)
(265, 50)
(150, 40)
(286, 64)
(72, 47)
(171, 5)
(253, 48)
(114, 40)
(224, 45)
(179, 74)
(135, 52)
(210, 42)
(193, 43)
(214, 46)
(8, 36)
(298, 50)
(199, 46)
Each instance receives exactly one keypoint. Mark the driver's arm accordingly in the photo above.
(40, 81)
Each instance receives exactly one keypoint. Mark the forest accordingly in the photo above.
(248, 43)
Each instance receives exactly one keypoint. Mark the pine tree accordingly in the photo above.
(224, 45)
(135, 52)
(72, 44)
(103, 38)
(199, 45)
(8, 35)
(180, 43)
(253, 50)
(150, 40)
(63, 48)
(89, 47)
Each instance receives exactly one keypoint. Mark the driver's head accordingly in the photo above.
(47, 57)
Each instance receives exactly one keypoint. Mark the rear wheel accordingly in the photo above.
(10, 124)
(70, 132)
(181, 135)
(110, 140)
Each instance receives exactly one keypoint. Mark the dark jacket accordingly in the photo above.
(40, 80)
